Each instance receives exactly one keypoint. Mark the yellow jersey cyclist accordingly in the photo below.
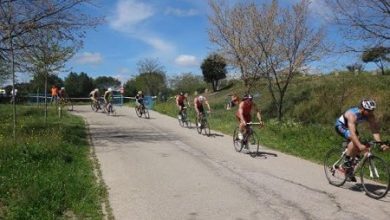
(94, 95)
(346, 127)
(107, 98)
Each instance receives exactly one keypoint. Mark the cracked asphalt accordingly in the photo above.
(154, 169)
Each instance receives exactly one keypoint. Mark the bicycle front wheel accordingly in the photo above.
(206, 128)
(146, 113)
(253, 144)
(94, 107)
(375, 177)
(198, 126)
(333, 168)
(138, 112)
(236, 141)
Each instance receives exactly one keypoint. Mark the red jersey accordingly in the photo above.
(246, 110)
(180, 99)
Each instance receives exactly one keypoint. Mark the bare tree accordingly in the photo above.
(229, 30)
(363, 20)
(20, 19)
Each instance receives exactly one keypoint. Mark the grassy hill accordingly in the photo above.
(311, 107)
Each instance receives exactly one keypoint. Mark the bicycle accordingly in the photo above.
(142, 110)
(65, 103)
(183, 118)
(374, 171)
(96, 105)
(109, 109)
(202, 124)
(250, 139)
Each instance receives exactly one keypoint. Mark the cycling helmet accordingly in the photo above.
(96, 90)
(248, 96)
(201, 98)
(139, 92)
(109, 89)
(62, 88)
(368, 104)
(181, 93)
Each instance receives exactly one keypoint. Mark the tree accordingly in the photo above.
(214, 69)
(355, 68)
(274, 42)
(188, 82)
(229, 30)
(363, 20)
(151, 78)
(105, 82)
(78, 85)
(130, 88)
(378, 55)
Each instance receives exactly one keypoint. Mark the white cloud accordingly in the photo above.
(129, 13)
(319, 10)
(186, 60)
(181, 12)
(159, 44)
(89, 58)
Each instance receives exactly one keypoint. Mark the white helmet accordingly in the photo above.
(201, 98)
(368, 104)
(96, 90)
(62, 88)
(109, 89)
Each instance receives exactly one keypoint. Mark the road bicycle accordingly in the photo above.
(65, 103)
(97, 105)
(374, 171)
(202, 125)
(142, 110)
(249, 141)
(183, 118)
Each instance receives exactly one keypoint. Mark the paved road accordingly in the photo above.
(157, 170)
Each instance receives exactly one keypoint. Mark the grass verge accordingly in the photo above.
(48, 173)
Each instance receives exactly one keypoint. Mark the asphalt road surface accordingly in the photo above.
(155, 169)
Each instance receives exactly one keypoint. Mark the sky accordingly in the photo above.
(172, 31)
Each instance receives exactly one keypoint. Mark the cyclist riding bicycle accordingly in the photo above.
(181, 99)
(94, 95)
(346, 127)
(107, 98)
(54, 94)
(139, 100)
(61, 93)
(243, 114)
(198, 104)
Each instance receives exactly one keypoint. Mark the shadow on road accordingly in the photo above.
(262, 154)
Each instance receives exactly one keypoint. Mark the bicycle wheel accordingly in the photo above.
(198, 126)
(206, 128)
(69, 105)
(180, 119)
(333, 168)
(236, 141)
(253, 144)
(138, 112)
(375, 177)
(146, 113)
(109, 109)
(94, 107)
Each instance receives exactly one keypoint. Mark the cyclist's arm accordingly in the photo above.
(258, 114)
(241, 113)
(208, 106)
(352, 128)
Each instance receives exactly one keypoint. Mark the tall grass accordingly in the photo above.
(48, 174)
(311, 108)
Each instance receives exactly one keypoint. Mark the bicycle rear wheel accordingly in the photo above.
(375, 177)
(94, 107)
(236, 141)
(334, 171)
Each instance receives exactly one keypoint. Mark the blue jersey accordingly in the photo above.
(356, 111)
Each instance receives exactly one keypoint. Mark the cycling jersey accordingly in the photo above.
(139, 99)
(180, 100)
(246, 111)
(341, 124)
(107, 96)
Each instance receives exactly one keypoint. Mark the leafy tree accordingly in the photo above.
(78, 85)
(355, 68)
(188, 82)
(378, 55)
(214, 69)
(151, 79)
(130, 88)
(105, 82)
(38, 82)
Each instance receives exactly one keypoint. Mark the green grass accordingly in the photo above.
(48, 174)
(312, 105)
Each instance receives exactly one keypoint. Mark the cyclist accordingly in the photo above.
(139, 100)
(243, 114)
(346, 127)
(198, 104)
(54, 94)
(61, 93)
(107, 98)
(180, 102)
(94, 95)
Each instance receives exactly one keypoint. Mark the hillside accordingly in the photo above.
(311, 107)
